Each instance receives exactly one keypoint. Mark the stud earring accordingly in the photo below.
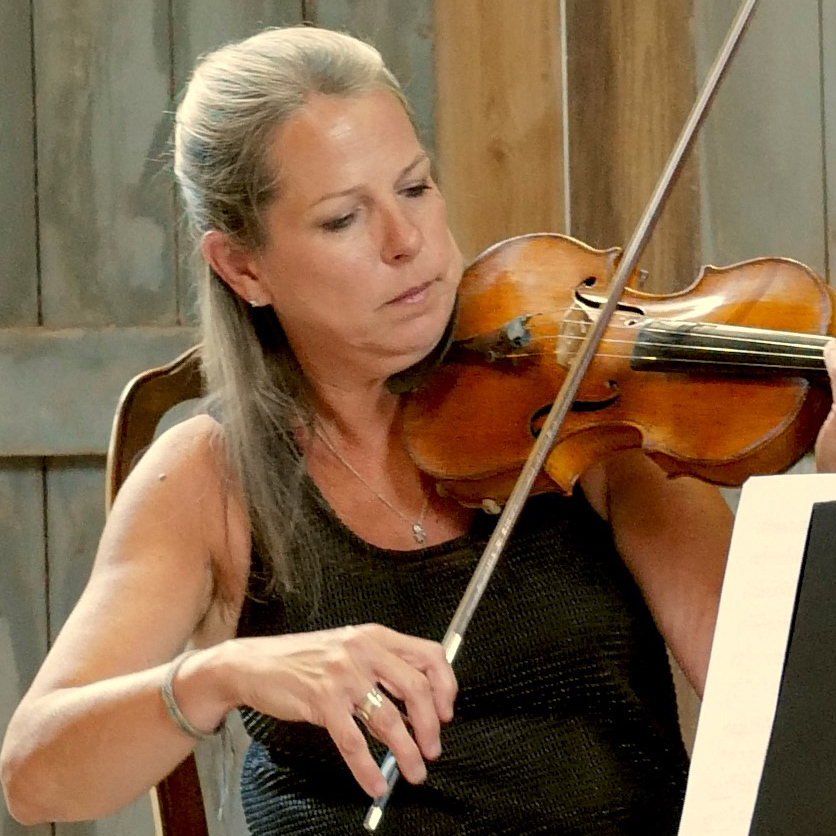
(254, 303)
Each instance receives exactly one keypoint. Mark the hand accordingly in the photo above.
(826, 441)
(323, 677)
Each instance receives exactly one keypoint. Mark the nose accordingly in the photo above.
(402, 237)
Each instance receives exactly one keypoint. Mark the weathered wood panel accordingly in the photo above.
(102, 81)
(67, 383)
(631, 86)
(763, 158)
(498, 118)
(23, 605)
(18, 244)
(403, 32)
(828, 40)
(199, 26)
(75, 511)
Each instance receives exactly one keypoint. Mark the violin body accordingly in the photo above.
(674, 375)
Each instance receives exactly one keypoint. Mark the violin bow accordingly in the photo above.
(565, 397)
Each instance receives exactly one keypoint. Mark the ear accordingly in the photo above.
(235, 265)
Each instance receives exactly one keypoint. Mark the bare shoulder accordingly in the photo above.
(185, 486)
(190, 443)
(178, 529)
(182, 472)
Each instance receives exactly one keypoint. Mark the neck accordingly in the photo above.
(675, 346)
(359, 415)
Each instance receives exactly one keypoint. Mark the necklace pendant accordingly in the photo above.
(418, 533)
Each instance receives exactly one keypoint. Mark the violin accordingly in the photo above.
(722, 380)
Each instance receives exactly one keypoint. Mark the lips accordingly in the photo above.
(411, 296)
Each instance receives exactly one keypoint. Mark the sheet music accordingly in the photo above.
(747, 658)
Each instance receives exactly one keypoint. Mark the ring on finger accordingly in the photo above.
(366, 709)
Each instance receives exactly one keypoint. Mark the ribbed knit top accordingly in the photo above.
(565, 722)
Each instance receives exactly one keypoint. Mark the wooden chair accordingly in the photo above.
(177, 800)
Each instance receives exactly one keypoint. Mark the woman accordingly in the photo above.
(262, 533)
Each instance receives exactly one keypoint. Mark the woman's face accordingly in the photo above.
(359, 264)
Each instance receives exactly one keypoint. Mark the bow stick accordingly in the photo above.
(487, 563)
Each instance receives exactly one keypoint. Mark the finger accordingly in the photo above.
(429, 658)
(413, 688)
(423, 656)
(369, 641)
(354, 749)
(423, 680)
(387, 725)
(825, 447)
(410, 681)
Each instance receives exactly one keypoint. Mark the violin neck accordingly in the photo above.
(694, 347)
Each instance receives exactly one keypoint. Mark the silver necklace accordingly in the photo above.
(419, 533)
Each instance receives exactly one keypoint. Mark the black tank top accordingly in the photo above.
(565, 722)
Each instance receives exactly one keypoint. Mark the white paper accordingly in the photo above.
(747, 657)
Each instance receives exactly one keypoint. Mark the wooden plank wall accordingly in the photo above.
(18, 245)
(757, 183)
(631, 86)
(23, 611)
(499, 118)
(766, 182)
(93, 284)
(24, 621)
(503, 108)
(828, 53)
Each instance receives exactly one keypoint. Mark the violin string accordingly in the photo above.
(764, 361)
(762, 347)
(759, 335)
(691, 361)
(811, 352)
(736, 346)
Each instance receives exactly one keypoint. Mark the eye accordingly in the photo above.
(336, 224)
(417, 190)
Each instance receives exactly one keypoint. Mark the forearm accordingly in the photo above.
(83, 752)
(673, 535)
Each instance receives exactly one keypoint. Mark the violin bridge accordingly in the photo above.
(573, 328)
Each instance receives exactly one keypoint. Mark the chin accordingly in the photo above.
(432, 330)
(407, 357)
(415, 339)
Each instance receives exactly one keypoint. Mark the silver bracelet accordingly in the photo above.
(171, 707)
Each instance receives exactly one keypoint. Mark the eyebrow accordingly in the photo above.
(406, 171)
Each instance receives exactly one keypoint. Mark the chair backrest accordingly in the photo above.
(177, 800)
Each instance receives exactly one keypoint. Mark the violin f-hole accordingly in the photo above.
(539, 415)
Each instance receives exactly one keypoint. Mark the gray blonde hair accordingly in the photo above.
(235, 100)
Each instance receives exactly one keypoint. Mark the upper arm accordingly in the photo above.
(673, 534)
(172, 531)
